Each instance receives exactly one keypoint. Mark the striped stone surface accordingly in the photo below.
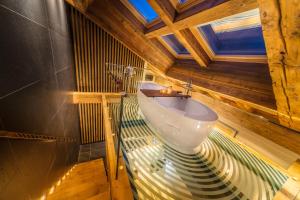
(221, 170)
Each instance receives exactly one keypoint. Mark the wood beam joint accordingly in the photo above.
(184, 36)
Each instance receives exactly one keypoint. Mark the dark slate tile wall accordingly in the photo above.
(36, 76)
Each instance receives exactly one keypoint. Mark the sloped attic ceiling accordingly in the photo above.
(231, 50)
(158, 40)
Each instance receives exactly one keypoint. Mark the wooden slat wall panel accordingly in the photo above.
(93, 48)
(91, 122)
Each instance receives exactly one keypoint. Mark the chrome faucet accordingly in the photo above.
(188, 87)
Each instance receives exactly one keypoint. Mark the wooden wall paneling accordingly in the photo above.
(83, 116)
(104, 39)
(99, 57)
(109, 82)
(82, 54)
(85, 63)
(112, 47)
(114, 55)
(96, 133)
(92, 56)
(86, 122)
(83, 124)
(130, 80)
(95, 57)
(91, 78)
(127, 56)
(100, 122)
(80, 122)
(82, 129)
(107, 60)
(107, 42)
(89, 130)
(136, 64)
(91, 122)
(103, 56)
(99, 114)
(123, 59)
(118, 56)
(87, 48)
(93, 48)
(95, 118)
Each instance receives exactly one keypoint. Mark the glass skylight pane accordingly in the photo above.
(238, 42)
(182, 1)
(172, 41)
(239, 34)
(245, 20)
(143, 7)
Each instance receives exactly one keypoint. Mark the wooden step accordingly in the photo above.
(86, 181)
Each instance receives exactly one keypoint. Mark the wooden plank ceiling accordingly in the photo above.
(246, 79)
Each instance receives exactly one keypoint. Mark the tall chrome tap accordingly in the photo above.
(188, 87)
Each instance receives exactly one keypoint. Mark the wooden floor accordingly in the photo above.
(86, 181)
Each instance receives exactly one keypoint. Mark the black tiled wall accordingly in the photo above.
(36, 76)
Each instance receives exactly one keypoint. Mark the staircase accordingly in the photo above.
(86, 181)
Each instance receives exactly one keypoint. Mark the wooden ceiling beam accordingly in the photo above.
(280, 23)
(157, 31)
(204, 13)
(167, 13)
(189, 40)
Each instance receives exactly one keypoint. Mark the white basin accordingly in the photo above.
(182, 122)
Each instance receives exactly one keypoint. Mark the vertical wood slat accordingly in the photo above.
(93, 48)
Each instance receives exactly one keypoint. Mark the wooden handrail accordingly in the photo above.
(109, 141)
(93, 97)
(120, 189)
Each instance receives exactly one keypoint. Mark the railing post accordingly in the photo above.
(123, 94)
(109, 142)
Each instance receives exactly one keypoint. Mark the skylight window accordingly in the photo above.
(172, 41)
(235, 35)
(182, 1)
(245, 20)
(144, 8)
